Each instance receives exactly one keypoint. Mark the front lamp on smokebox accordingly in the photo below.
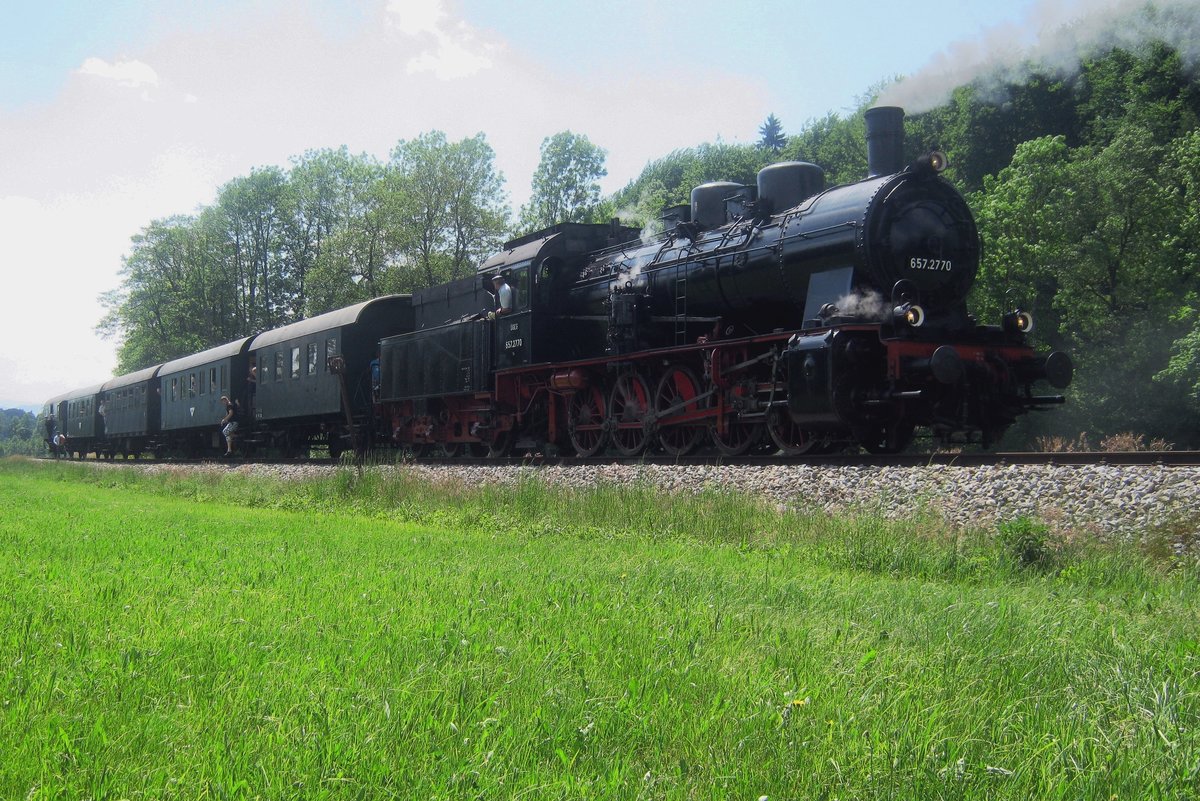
(910, 314)
(1018, 322)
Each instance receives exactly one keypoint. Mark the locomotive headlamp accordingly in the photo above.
(930, 163)
(911, 314)
(1018, 322)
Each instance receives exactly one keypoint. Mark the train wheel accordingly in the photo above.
(677, 386)
(790, 438)
(738, 437)
(336, 445)
(501, 445)
(585, 421)
(628, 407)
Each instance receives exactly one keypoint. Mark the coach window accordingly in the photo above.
(212, 379)
(174, 388)
(330, 351)
(192, 385)
(203, 384)
(312, 358)
(224, 379)
(295, 362)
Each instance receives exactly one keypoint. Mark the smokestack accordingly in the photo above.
(885, 140)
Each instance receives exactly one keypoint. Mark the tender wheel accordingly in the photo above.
(585, 421)
(336, 445)
(677, 386)
(628, 407)
(790, 438)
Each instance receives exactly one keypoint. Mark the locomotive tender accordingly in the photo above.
(784, 316)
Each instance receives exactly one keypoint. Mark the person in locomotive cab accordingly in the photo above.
(229, 424)
(504, 296)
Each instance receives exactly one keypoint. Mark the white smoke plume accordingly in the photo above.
(1054, 39)
(869, 305)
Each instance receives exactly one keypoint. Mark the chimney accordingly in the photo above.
(885, 140)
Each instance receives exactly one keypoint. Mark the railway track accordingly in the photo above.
(1124, 458)
(942, 459)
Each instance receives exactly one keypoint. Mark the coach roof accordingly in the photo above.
(225, 351)
(326, 322)
(131, 378)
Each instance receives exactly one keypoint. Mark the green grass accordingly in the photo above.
(373, 636)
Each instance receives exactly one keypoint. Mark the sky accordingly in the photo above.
(118, 113)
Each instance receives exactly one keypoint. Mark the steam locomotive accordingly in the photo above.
(783, 317)
(786, 316)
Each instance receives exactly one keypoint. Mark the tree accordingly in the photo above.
(835, 144)
(250, 217)
(771, 135)
(477, 209)
(565, 184)
(169, 302)
(1083, 237)
(447, 207)
(316, 209)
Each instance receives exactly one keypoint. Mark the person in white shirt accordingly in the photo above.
(504, 296)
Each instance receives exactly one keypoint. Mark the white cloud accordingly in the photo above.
(451, 50)
(452, 59)
(414, 17)
(133, 74)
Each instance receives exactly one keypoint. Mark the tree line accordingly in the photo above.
(1086, 188)
(280, 245)
(19, 433)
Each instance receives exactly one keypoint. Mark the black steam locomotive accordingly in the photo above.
(785, 317)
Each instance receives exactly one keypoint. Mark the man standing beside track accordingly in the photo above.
(230, 424)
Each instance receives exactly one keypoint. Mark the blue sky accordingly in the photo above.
(116, 113)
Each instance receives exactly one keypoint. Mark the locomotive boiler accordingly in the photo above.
(784, 315)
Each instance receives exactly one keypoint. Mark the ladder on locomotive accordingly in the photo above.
(681, 310)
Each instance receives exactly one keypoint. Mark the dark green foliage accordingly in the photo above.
(771, 135)
(19, 432)
(1092, 227)
(1026, 542)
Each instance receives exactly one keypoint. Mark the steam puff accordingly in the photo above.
(869, 305)
(1054, 40)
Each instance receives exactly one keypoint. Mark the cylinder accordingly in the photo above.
(569, 379)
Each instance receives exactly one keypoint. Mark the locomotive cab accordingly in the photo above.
(512, 342)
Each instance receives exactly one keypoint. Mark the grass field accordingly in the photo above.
(369, 636)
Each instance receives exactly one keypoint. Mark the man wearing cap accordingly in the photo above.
(504, 296)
